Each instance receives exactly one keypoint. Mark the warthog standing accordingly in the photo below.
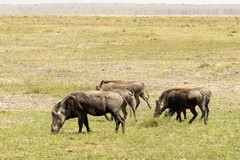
(172, 111)
(96, 103)
(137, 87)
(179, 99)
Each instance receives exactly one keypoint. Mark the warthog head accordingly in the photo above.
(63, 111)
(157, 112)
(58, 119)
(160, 107)
(60, 113)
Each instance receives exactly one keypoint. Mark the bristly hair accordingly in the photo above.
(116, 81)
(91, 100)
(182, 89)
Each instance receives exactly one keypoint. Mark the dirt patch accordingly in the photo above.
(27, 101)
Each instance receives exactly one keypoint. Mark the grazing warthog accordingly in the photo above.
(96, 103)
(172, 111)
(184, 98)
(137, 87)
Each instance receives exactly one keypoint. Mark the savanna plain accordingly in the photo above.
(44, 58)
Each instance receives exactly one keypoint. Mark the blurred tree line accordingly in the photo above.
(121, 9)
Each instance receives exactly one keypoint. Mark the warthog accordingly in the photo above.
(172, 111)
(96, 103)
(179, 99)
(137, 87)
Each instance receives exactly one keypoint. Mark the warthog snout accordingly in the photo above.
(157, 111)
(55, 129)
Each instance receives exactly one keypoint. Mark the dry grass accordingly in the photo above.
(43, 58)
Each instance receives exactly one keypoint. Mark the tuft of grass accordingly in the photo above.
(150, 122)
(204, 65)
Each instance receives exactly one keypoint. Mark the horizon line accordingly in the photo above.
(120, 3)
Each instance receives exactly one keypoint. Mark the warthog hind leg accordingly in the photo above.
(194, 112)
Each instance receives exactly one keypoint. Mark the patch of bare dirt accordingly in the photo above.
(18, 101)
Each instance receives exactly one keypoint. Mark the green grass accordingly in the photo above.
(28, 137)
(56, 89)
(44, 58)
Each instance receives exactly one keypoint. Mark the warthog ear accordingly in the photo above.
(54, 113)
(157, 102)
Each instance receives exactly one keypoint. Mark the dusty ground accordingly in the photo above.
(43, 58)
(225, 94)
(21, 101)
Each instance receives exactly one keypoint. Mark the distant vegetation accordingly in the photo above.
(120, 9)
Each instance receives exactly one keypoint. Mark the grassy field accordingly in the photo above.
(43, 58)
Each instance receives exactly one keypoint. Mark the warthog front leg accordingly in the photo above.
(81, 118)
(184, 113)
(179, 115)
